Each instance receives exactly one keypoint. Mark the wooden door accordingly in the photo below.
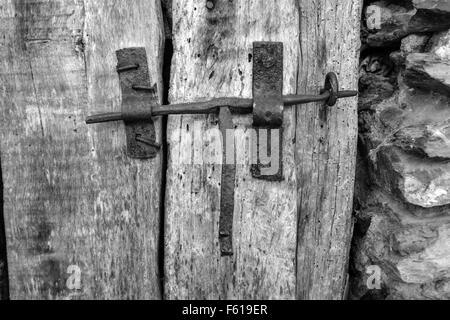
(83, 220)
(291, 238)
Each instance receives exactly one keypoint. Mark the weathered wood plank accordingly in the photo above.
(212, 57)
(326, 147)
(75, 205)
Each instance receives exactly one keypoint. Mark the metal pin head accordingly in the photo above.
(209, 4)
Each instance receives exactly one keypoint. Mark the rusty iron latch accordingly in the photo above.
(139, 106)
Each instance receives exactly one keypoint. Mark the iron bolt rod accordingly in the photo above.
(236, 105)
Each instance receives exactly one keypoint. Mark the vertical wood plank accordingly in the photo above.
(326, 147)
(213, 57)
(75, 206)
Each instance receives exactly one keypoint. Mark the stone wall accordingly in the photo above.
(402, 202)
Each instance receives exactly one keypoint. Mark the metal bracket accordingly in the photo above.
(268, 84)
(268, 109)
(137, 97)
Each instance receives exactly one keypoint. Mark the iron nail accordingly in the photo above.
(126, 68)
(223, 234)
(142, 88)
(147, 142)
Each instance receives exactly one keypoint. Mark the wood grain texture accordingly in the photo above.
(73, 200)
(213, 58)
(326, 147)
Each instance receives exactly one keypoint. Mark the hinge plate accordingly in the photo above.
(133, 73)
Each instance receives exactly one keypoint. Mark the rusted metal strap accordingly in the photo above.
(227, 185)
(268, 84)
(268, 109)
(133, 73)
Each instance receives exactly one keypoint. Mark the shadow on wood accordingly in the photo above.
(4, 294)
